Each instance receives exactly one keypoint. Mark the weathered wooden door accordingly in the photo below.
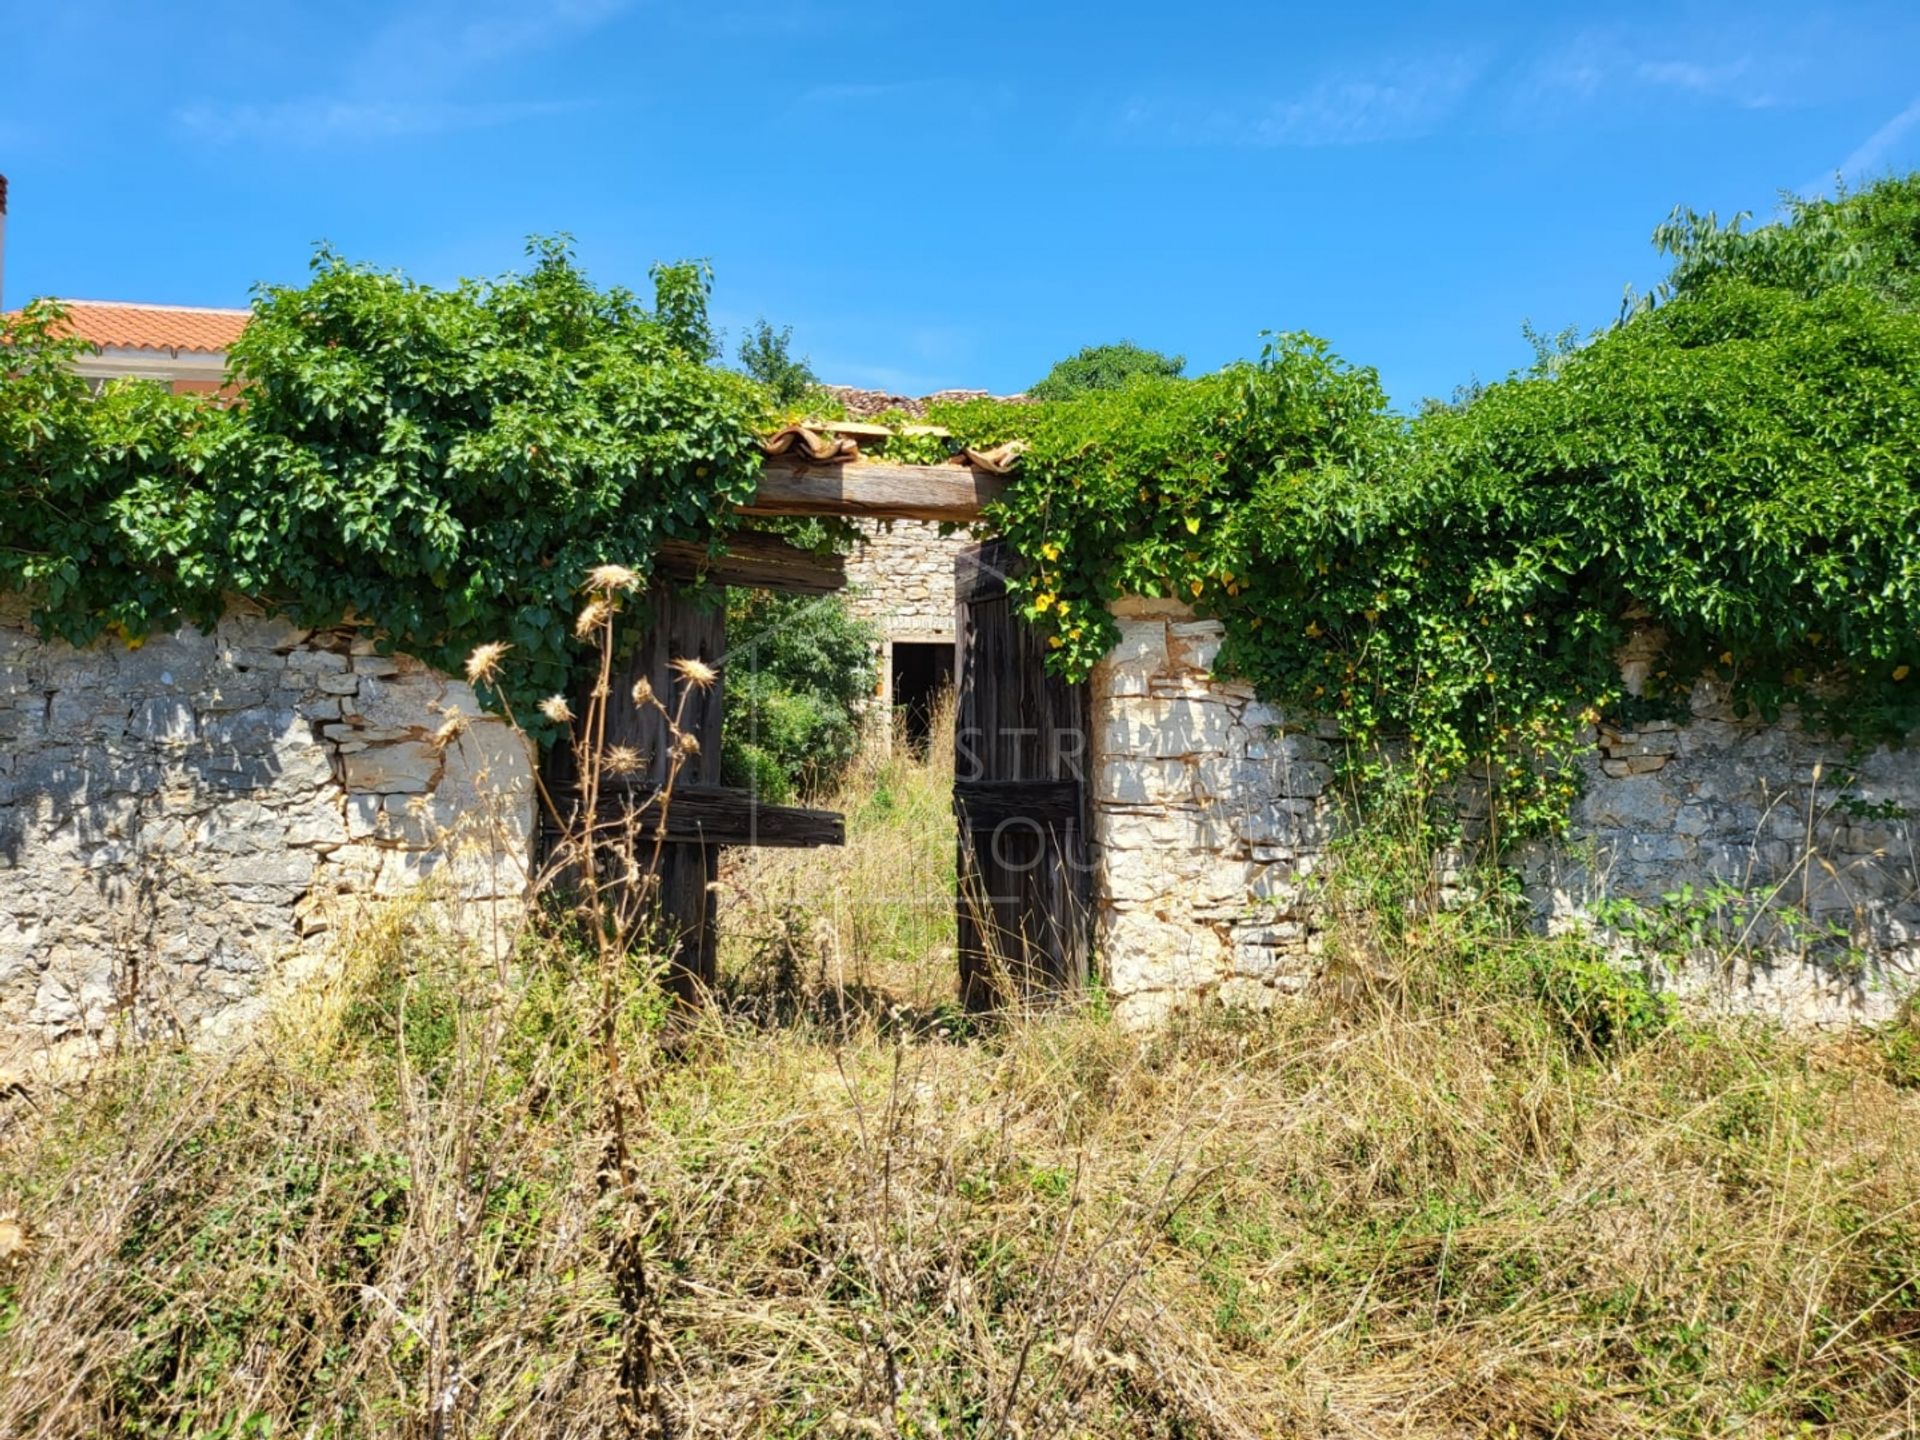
(1020, 795)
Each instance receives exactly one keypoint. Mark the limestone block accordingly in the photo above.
(270, 632)
(409, 768)
(1144, 607)
(1165, 728)
(1143, 952)
(1639, 803)
(1144, 782)
(400, 702)
(1193, 644)
(1144, 829)
(165, 720)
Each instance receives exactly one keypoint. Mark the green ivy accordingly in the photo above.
(445, 464)
(1736, 469)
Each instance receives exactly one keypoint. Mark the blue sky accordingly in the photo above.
(953, 195)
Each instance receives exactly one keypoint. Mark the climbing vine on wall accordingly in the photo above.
(1730, 476)
(446, 464)
(1734, 474)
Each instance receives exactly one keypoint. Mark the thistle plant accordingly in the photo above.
(609, 840)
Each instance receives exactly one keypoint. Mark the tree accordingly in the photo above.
(800, 668)
(766, 355)
(1105, 367)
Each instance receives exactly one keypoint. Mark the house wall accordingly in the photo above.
(901, 578)
(1212, 815)
(182, 823)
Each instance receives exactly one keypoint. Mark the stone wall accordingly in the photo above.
(181, 823)
(901, 578)
(1211, 816)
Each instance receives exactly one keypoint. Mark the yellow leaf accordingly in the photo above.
(1196, 586)
(1900, 672)
(1726, 657)
(1054, 642)
(1193, 524)
(1313, 629)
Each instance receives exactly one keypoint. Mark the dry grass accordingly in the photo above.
(871, 920)
(1433, 1200)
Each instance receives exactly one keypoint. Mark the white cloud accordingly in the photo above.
(405, 80)
(1872, 154)
(432, 45)
(1692, 75)
(1597, 63)
(1399, 102)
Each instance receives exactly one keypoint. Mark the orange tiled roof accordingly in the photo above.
(173, 328)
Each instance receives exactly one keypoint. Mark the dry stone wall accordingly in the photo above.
(1212, 816)
(900, 577)
(182, 823)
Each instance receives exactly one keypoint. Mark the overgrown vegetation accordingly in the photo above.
(446, 464)
(1104, 367)
(766, 354)
(1732, 468)
(1473, 1183)
(1735, 468)
(799, 669)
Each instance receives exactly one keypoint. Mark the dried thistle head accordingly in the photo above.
(484, 663)
(449, 731)
(686, 744)
(556, 709)
(595, 613)
(642, 692)
(622, 760)
(695, 671)
(606, 579)
(14, 1240)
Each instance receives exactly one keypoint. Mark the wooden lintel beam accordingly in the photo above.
(953, 493)
(760, 562)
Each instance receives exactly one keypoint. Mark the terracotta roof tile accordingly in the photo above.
(863, 404)
(173, 328)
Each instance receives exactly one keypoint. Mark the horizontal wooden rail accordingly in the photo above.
(955, 493)
(983, 804)
(717, 815)
(760, 562)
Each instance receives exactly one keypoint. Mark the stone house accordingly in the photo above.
(900, 579)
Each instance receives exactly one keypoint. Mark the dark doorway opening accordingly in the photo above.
(922, 673)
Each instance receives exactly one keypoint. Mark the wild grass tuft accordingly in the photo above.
(1465, 1187)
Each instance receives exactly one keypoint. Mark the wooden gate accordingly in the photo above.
(702, 816)
(1020, 795)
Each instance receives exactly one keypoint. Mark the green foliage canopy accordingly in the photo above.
(799, 668)
(1737, 468)
(1105, 367)
(446, 464)
(766, 354)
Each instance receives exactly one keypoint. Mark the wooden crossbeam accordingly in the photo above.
(760, 562)
(721, 815)
(953, 493)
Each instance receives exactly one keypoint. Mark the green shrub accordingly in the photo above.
(799, 668)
